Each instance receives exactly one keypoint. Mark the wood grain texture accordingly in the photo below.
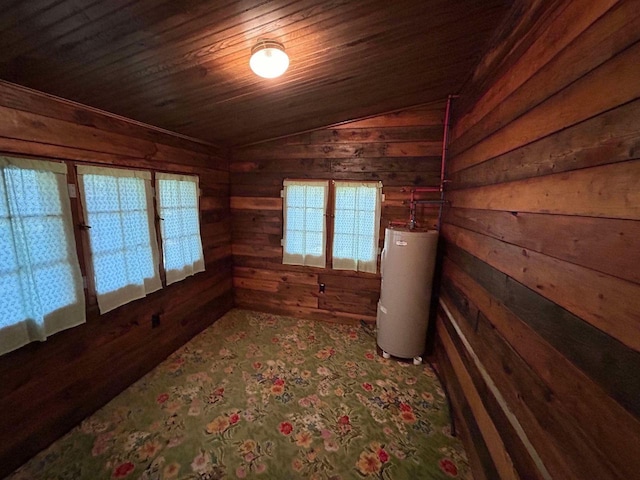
(47, 388)
(466, 426)
(541, 235)
(606, 302)
(495, 444)
(184, 66)
(607, 245)
(373, 149)
(573, 388)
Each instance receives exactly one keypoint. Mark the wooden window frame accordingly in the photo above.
(329, 218)
(81, 233)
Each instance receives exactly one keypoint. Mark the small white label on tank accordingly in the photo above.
(382, 309)
(401, 243)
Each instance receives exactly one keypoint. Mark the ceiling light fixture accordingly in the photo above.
(268, 59)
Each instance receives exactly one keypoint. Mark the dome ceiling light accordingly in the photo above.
(268, 59)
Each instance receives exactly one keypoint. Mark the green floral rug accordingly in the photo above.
(263, 396)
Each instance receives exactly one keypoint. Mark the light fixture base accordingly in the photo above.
(268, 59)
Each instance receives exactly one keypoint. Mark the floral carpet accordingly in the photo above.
(264, 396)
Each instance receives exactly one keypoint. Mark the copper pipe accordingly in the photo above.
(445, 148)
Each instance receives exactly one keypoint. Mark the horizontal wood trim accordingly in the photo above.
(432, 114)
(606, 302)
(606, 360)
(25, 99)
(282, 165)
(303, 278)
(391, 164)
(288, 298)
(607, 138)
(607, 245)
(256, 203)
(351, 134)
(306, 313)
(611, 191)
(465, 424)
(564, 444)
(603, 419)
(493, 440)
(58, 152)
(547, 66)
(32, 127)
(365, 282)
(397, 179)
(329, 150)
(578, 102)
(262, 251)
(507, 403)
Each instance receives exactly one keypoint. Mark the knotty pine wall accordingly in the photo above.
(539, 335)
(401, 149)
(47, 388)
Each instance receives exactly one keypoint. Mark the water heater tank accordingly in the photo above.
(407, 265)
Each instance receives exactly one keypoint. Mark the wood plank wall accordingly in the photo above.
(47, 388)
(539, 328)
(401, 149)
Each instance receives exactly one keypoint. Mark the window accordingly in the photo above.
(117, 205)
(305, 206)
(177, 197)
(40, 280)
(356, 226)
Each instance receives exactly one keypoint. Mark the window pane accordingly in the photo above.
(365, 223)
(365, 248)
(178, 209)
(106, 232)
(356, 226)
(296, 196)
(39, 276)
(315, 197)
(304, 229)
(12, 309)
(314, 243)
(343, 246)
(295, 242)
(121, 239)
(110, 272)
(295, 219)
(367, 199)
(314, 220)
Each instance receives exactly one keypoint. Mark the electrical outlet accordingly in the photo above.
(155, 320)
(322, 287)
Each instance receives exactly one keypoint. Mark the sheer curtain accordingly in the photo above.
(305, 237)
(41, 289)
(356, 226)
(177, 197)
(124, 251)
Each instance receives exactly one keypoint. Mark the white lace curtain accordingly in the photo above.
(177, 197)
(124, 252)
(356, 226)
(305, 206)
(41, 289)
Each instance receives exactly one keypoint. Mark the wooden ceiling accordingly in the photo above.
(183, 64)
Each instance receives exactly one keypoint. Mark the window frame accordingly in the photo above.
(292, 257)
(377, 219)
(329, 222)
(199, 265)
(70, 315)
(151, 284)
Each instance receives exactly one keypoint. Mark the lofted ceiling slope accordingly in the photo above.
(183, 65)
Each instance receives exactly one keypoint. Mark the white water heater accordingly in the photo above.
(407, 264)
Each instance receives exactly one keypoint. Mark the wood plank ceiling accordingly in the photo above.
(183, 65)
